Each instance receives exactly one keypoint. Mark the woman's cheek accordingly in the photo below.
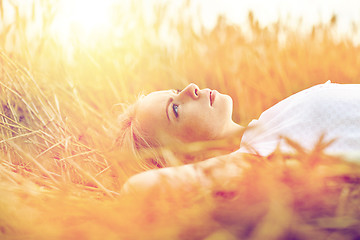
(192, 132)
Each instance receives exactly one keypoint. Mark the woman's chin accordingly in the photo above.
(223, 101)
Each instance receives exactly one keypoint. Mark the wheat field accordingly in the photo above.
(61, 175)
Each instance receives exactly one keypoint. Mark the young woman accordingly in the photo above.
(326, 115)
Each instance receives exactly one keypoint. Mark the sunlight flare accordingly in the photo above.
(82, 20)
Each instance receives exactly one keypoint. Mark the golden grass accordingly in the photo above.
(61, 177)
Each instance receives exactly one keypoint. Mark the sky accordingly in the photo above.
(311, 11)
(236, 11)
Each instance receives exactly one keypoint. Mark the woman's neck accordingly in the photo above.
(232, 130)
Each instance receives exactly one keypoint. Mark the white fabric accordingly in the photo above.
(330, 109)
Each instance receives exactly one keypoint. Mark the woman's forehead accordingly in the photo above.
(159, 93)
(154, 103)
(156, 97)
(151, 110)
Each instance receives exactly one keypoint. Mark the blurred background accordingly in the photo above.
(116, 49)
(69, 67)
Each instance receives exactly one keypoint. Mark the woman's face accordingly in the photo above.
(189, 115)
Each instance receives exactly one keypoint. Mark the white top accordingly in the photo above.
(329, 109)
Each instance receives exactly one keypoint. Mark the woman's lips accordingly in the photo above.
(212, 96)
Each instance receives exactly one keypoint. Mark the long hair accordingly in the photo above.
(144, 149)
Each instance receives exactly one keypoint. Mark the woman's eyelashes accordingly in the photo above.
(175, 108)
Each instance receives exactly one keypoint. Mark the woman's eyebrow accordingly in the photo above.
(167, 107)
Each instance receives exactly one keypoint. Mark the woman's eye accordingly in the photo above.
(175, 108)
(177, 91)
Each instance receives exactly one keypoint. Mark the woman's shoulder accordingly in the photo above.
(333, 91)
(329, 98)
(314, 98)
(303, 117)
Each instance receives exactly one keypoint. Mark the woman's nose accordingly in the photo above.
(191, 90)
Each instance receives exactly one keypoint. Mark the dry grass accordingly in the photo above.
(60, 175)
